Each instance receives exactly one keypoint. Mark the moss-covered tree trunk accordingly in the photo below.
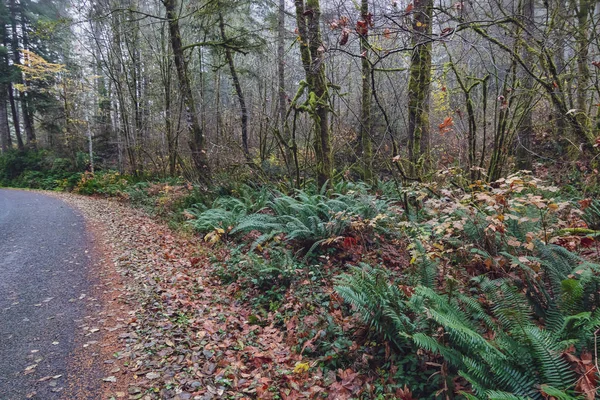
(312, 51)
(583, 43)
(196, 140)
(419, 83)
(365, 132)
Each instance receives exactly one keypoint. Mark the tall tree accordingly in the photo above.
(196, 142)
(5, 139)
(525, 130)
(282, 95)
(419, 86)
(312, 52)
(17, 14)
(365, 132)
(236, 84)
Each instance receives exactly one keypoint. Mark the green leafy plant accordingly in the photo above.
(314, 219)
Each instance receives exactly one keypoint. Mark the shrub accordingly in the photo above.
(110, 183)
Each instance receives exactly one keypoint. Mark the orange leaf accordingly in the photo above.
(445, 126)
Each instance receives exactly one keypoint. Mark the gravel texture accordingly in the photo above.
(45, 286)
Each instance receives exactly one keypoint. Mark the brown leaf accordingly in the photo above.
(344, 37)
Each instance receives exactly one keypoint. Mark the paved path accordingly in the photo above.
(44, 261)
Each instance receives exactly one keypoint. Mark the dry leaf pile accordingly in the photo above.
(188, 336)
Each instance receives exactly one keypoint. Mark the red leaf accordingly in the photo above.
(349, 242)
(362, 28)
(585, 203)
(409, 8)
(587, 242)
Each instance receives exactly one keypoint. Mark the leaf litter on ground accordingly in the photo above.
(189, 336)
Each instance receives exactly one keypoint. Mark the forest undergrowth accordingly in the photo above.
(423, 291)
(353, 291)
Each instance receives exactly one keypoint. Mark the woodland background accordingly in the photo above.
(199, 89)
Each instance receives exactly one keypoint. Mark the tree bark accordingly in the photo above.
(419, 87)
(196, 142)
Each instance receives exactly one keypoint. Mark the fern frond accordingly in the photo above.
(558, 394)
(554, 369)
(498, 395)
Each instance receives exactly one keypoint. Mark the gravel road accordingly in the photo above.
(45, 257)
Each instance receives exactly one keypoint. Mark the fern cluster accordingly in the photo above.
(226, 212)
(506, 339)
(591, 215)
(314, 218)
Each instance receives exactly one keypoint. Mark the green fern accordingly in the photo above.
(379, 303)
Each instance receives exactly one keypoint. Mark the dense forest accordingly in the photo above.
(406, 190)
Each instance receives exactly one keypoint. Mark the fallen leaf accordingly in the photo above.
(152, 375)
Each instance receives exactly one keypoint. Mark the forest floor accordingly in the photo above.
(176, 332)
(225, 313)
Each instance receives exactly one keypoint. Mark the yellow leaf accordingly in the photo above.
(301, 367)
(212, 237)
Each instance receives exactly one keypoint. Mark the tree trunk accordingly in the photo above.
(27, 123)
(5, 139)
(5, 142)
(282, 96)
(166, 70)
(312, 52)
(25, 104)
(238, 88)
(14, 108)
(419, 87)
(525, 130)
(11, 97)
(582, 38)
(364, 140)
(196, 142)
